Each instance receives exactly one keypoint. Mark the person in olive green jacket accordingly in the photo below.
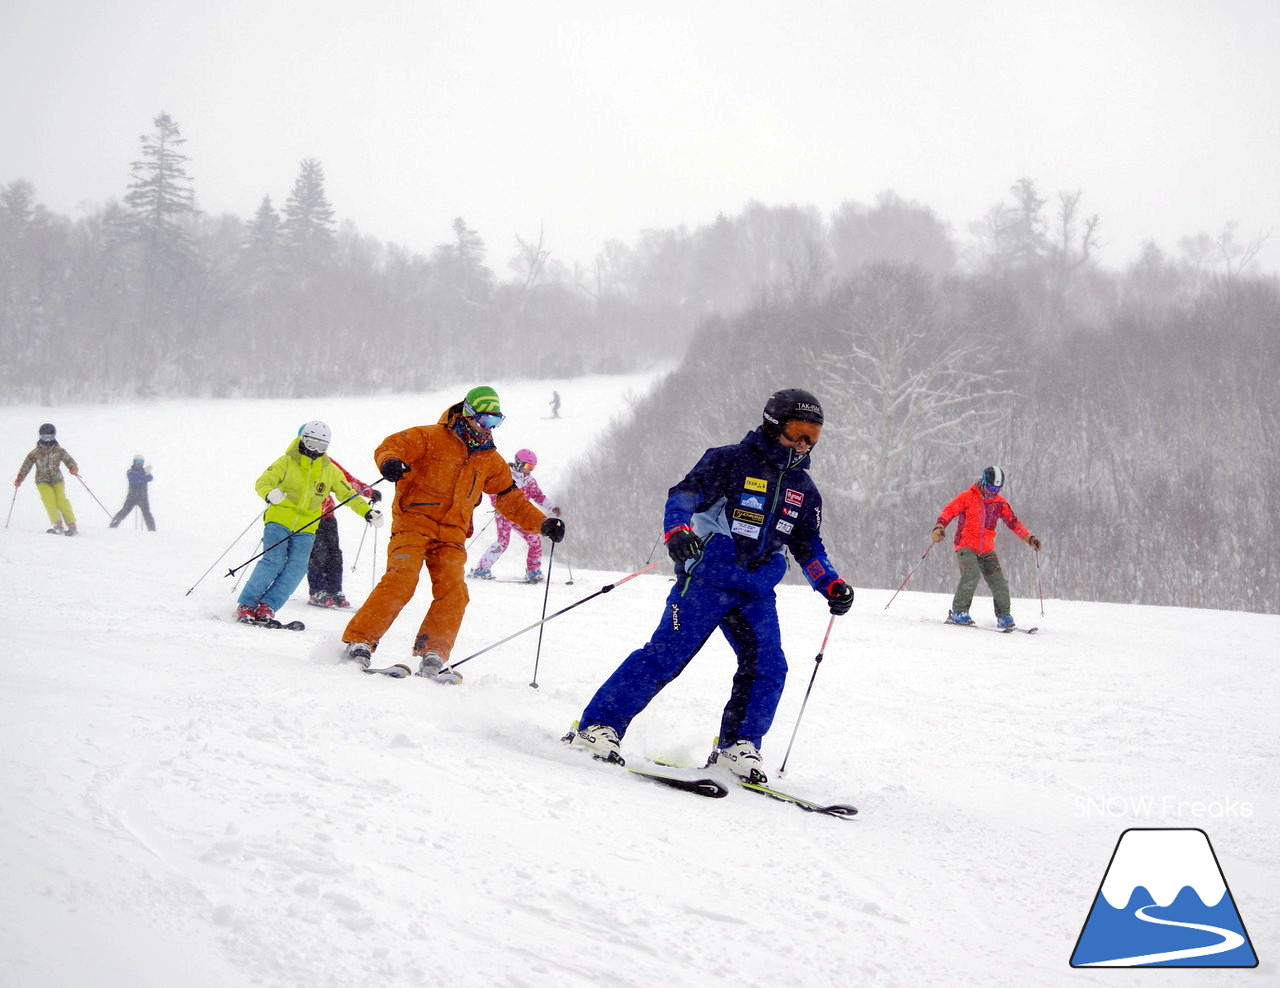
(294, 487)
(48, 458)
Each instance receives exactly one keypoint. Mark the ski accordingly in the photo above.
(841, 810)
(999, 631)
(275, 625)
(702, 787)
(395, 672)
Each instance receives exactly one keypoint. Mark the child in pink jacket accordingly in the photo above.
(522, 475)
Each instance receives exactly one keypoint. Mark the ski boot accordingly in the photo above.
(481, 574)
(600, 740)
(742, 758)
(432, 667)
(960, 617)
(1005, 622)
(533, 576)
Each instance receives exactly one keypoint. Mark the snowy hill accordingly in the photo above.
(186, 801)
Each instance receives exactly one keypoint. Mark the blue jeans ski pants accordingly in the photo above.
(280, 569)
(694, 610)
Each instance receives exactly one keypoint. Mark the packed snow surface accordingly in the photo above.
(187, 801)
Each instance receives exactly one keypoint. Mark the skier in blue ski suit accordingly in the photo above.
(726, 525)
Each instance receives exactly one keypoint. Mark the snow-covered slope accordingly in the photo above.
(187, 801)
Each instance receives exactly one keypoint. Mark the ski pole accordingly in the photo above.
(93, 495)
(256, 517)
(236, 586)
(314, 521)
(568, 582)
(359, 548)
(909, 576)
(11, 504)
(551, 558)
(817, 661)
(1039, 585)
(492, 515)
(549, 617)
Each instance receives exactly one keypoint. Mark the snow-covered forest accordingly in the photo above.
(1133, 409)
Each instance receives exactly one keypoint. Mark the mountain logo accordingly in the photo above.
(1163, 902)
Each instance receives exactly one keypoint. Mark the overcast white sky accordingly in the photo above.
(594, 120)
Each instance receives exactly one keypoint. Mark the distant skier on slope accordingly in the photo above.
(441, 472)
(522, 467)
(726, 524)
(295, 487)
(48, 458)
(139, 477)
(979, 508)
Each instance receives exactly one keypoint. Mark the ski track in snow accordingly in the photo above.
(195, 802)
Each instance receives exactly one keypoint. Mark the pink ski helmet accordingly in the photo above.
(527, 456)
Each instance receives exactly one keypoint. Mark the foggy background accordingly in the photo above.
(1132, 409)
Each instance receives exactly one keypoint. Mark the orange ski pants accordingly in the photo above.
(407, 553)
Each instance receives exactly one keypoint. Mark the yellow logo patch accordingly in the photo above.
(756, 484)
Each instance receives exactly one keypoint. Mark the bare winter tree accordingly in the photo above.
(902, 384)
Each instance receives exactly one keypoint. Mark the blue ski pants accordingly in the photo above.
(280, 569)
(694, 609)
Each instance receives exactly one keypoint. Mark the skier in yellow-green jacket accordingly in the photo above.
(295, 487)
(48, 458)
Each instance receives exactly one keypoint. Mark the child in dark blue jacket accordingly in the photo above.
(139, 477)
(726, 525)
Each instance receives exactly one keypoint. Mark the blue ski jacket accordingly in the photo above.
(747, 502)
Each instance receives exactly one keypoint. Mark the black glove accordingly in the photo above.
(683, 545)
(394, 469)
(553, 528)
(374, 496)
(839, 597)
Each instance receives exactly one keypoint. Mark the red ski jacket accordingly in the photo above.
(978, 515)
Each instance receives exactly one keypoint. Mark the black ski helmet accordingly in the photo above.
(790, 404)
(992, 477)
(48, 430)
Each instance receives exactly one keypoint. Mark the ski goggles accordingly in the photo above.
(314, 444)
(989, 489)
(801, 432)
(489, 420)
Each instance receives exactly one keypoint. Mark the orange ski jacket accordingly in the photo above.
(978, 514)
(446, 481)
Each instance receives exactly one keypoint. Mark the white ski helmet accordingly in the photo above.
(315, 436)
(992, 478)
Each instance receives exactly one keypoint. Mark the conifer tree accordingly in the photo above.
(308, 223)
(161, 195)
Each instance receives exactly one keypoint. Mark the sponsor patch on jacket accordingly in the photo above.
(784, 526)
(321, 487)
(752, 501)
(753, 517)
(756, 484)
(816, 570)
(793, 497)
(791, 512)
(742, 528)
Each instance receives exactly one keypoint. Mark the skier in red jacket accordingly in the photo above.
(978, 509)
